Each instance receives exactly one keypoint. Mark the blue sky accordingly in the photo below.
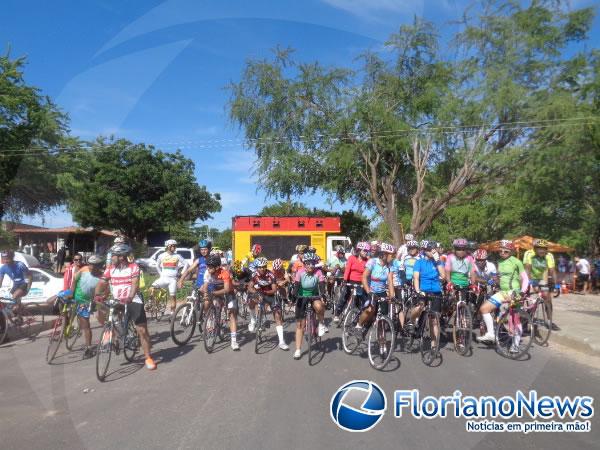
(156, 71)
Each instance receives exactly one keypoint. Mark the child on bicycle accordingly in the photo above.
(512, 277)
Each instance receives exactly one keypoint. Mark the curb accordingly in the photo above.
(578, 344)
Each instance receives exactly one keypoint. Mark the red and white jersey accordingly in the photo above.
(121, 279)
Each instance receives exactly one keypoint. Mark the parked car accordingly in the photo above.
(45, 284)
(148, 265)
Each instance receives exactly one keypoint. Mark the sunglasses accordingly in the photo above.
(77, 259)
(504, 252)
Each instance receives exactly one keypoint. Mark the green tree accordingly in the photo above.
(223, 239)
(30, 127)
(135, 188)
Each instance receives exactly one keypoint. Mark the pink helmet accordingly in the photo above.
(364, 246)
(277, 264)
(460, 243)
(480, 254)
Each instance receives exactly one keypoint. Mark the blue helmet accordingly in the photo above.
(205, 243)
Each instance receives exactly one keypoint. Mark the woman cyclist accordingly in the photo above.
(512, 278)
(355, 266)
(308, 282)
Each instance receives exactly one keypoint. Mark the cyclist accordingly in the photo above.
(248, 261)
(403, 249)
(297, 263)
(428, 273)
(484, 270)
(281, 277)
(83, 286)
(264, 283)
(459, 266)
(409, 261)
(512, 277)
(217, 281)
(308, 282)
(541, 270)
(123, 278)
(169, 264)
(20, 275)
(200, 264)
(472, 247)
(335, 267)
(377, 282)
(355, 266)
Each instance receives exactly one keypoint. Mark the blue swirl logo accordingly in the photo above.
(358, 406)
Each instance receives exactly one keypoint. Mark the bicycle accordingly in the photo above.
(21, 322)
(350, 303)
(156, 303)
(313, 340)
(336, 293)
(512, 329)
(126, 333)
(542, 326)
(213, 325)
(462, 323)
(185, 318)
(66, 326)
(423, 330)
(381, 338)
(261, 322)
(404, 333)
(241, 292)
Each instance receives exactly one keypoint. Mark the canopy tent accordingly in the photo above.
(526, 243)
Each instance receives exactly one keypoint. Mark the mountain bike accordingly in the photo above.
(21, 322)
(185, 318)
(381, 339)
(66, 326)
(116, 334)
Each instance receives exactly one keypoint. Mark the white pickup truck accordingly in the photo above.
(148, 265)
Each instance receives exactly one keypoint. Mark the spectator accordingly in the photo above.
(562, 267)
(596, 276)
(583, 273)
(60, 259)
(71, 270)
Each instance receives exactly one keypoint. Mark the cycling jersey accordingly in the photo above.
(335, 261)
(539, 266)
(378, 276)
(263, 283)
(429, 276)
(279, 274)
(217, 280)
(168, 264)
(510, 271)
(354, 269)
(16, 271)
(309, 283)
(459, 269)
(85, 287)
(408, 264)
(488, 272)
(396, 268)
(201, 270)
(296, 265)
(121, 281)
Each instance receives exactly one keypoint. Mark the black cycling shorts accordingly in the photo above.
(372, 300)
(301, 303)
(435, 301)
(136, 314)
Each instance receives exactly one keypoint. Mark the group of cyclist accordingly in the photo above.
(375, 272)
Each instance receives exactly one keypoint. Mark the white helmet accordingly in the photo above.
(408, 237)
(170, 242)
(119, 240)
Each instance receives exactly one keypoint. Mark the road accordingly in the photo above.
(265, 401)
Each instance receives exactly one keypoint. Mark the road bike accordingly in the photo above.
(262, 323)
(311, 334)
(66, 326)
(185, 318)
(381, 338)
(116, 335)
(20, 322)
(215, 319)
(156, 302)
(541, 325)
(423, 330)
(513, 330)
(462, 323)
(351, 303)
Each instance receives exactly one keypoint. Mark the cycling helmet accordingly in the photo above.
(540, 243)
(339, 248)
(310, 258)
(95, 260)
(8, 253)
(120, 250)
(119, 240)
(301, 248)
(387, 248)
(365, 246)
(480, 254)
(205, 243)
(508, 244)
(170, 242)
(472, 245)
(409, 237)
(460, 243)
(257, 248)
(277, 264)
(412, 244)
(424, 244)
(261, 262)
(213, 261)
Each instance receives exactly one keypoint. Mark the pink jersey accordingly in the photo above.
(121, 281)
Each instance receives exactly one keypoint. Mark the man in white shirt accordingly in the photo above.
(583, 273)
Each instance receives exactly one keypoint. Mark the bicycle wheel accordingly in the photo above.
(104, 350)
(311, 336)
(461, 331)
(430, 344)
(3, 326)
(183, 324)
(514, 334)
(350, 341)
(279, 301)
(54, 339)
(209, 332)
(160, 304)
(243, 306)
(72, 331)
(132, 342)
(381, 342)
(541, 325)
(259, 331)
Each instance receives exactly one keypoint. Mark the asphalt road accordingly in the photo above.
(250, 401)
